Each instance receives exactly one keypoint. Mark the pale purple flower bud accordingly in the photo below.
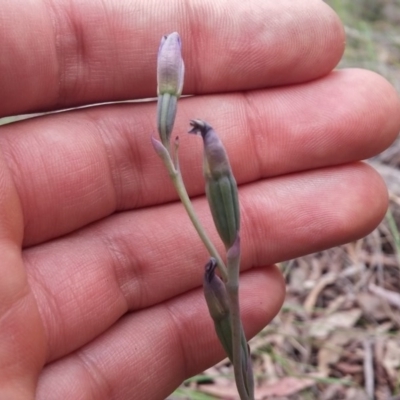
(217, 300)
(218, 305)
(170, 74)
(216, 162)
(170, 67)
(221, 187)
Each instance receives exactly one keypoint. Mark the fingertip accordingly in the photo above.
(366, 202)
(387, 100)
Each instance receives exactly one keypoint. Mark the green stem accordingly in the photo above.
(239, 353)
(177, 180)
(180, 188)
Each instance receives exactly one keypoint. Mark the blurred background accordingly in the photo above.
(337, 335)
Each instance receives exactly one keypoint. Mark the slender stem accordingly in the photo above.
(177, 180)
(180, 187)
(232, 287)
(247, 367)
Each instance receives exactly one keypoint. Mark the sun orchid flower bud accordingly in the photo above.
(216, 296)
(218, 305)
(221, 187)
(170, 74)
(170, 67)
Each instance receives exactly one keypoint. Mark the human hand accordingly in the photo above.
(103, 300)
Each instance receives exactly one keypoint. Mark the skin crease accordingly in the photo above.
(100, 268)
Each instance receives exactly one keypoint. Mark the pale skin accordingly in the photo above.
(100, 268)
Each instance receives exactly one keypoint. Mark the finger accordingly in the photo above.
(148, 354)
(88, 52)
(73, 169)
(20, 362)
(134, 260)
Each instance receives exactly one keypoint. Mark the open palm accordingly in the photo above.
(100, 267)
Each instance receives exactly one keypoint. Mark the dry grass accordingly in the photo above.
(337, 335)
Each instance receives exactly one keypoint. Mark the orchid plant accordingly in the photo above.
(221, 292)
